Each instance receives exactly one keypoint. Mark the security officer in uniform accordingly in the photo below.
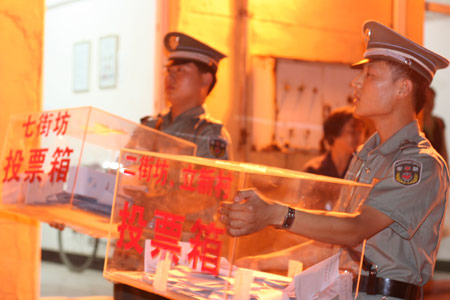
(402, 216)
(189, 78)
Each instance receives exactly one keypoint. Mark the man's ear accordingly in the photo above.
(405, 87)
(206, 79)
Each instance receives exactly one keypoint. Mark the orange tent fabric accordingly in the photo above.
(21, 40)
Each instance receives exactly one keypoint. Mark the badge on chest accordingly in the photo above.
(217, 147)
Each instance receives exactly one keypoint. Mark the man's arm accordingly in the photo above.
(250, 212)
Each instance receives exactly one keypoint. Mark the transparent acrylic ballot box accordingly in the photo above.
(60, 166)
(166, 237)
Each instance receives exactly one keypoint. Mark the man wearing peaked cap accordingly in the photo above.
(384, 43)
(189, 78)
(402, 216)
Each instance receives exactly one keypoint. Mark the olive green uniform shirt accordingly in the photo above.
(411, 187)
(194, 125)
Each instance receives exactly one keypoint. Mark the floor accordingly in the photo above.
(58, 281)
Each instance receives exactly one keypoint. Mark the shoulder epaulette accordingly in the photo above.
(145, 119)
(409, 146)
(207, 120)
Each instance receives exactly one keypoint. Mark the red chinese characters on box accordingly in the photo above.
(47, 122)
(33, 168)
(132, 223)
(206, 181)
(168, 230)
(13, 163)
(206, 245)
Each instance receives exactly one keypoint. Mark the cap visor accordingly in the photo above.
(359, 64)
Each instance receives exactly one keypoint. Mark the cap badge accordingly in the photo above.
(367, 34)
(174, 41)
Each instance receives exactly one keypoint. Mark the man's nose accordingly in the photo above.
(357, 81)
(169, 76)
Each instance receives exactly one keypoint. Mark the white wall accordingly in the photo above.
(70, 21)
(436, 38)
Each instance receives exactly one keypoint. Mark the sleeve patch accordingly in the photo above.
(407, 172)
(217, 147)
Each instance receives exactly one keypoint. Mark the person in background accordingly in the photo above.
(190, 75)
(433, 126)
(401, 218)
(342, 134)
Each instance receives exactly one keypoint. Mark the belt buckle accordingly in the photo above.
(371, 287)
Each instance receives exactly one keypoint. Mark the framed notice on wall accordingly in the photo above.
(81, 66)
(108, 61)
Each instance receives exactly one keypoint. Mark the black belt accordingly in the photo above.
(389, 287)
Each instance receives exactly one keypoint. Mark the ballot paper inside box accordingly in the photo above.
(164, 224)
(60, 166)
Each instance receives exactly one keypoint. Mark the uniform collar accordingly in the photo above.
(408, 133)
(190, 113)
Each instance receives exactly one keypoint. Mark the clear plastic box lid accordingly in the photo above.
(60, 166)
